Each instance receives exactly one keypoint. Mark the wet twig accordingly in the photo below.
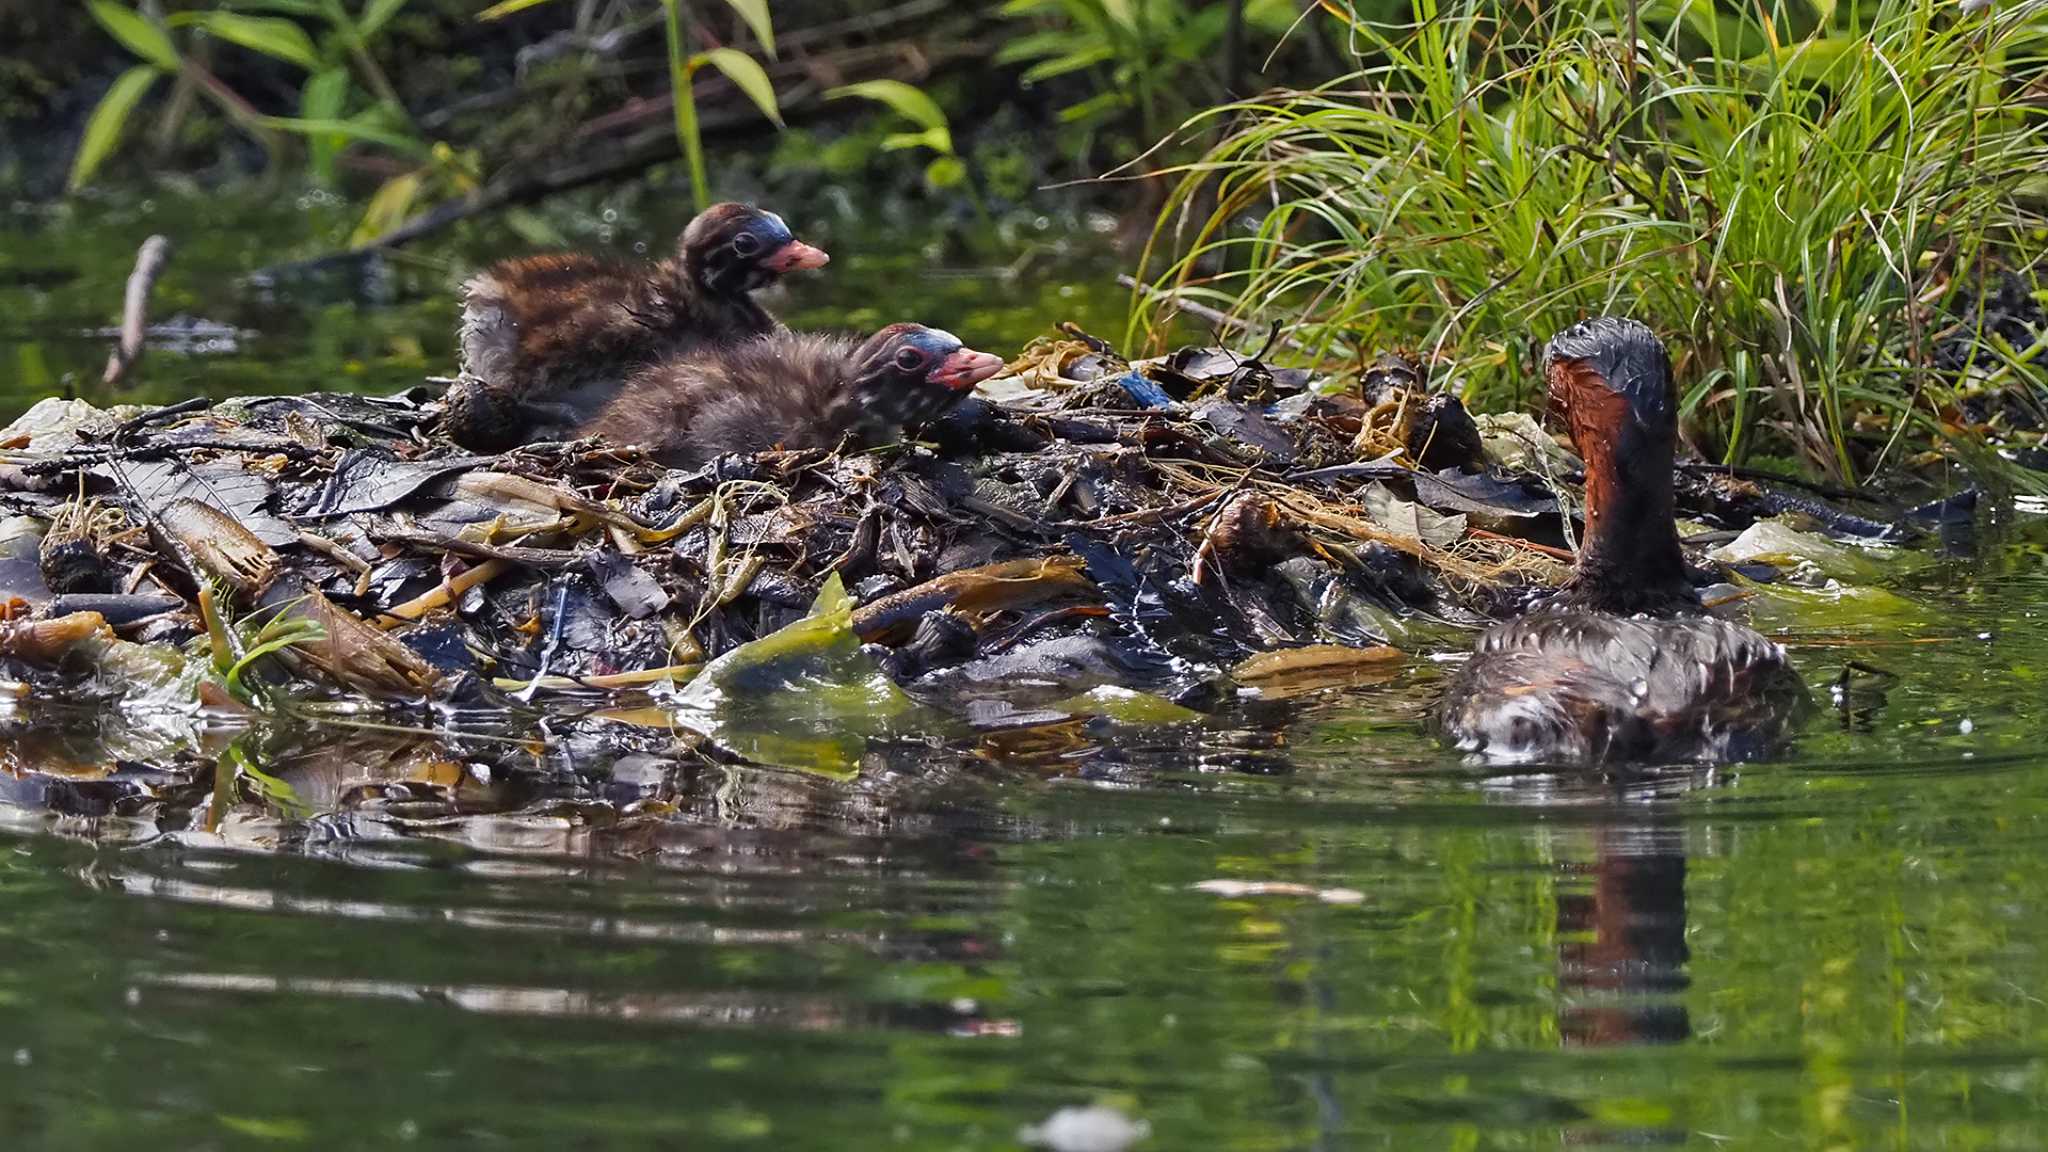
(149, 264)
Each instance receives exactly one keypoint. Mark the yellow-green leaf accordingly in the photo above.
(274, 36)
(945, 172)
(376, 14)
(747, 75)
(357, 129)
(506, 8)
(103, 129)
(388, 208)
(135, 33)
(1809, 61)
(755, 13)
(905, 99)
(533, 229)
(937, 139)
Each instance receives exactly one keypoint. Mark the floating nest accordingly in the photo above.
(1087, 533)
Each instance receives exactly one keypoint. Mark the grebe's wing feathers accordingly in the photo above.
(1586, 686)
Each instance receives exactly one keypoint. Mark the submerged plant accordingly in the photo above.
(1792, 209)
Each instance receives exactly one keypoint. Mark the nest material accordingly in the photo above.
(1079, 501)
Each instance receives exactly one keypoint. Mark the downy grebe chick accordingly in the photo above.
(793, 390)
(548, 339)
(1623, 663)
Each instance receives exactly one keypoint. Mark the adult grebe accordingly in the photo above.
(1622, 663)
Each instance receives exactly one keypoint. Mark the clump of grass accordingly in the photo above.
(1791, 194)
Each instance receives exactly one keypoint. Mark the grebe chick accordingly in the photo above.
(793, 390)
(548, 339)
(1623, 663)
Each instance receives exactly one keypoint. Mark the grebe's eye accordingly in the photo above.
(746, 244)
(910, 360)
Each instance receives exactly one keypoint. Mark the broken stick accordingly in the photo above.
(149, 263)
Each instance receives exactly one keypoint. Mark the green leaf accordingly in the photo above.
(1127, 707)
(353, 130)
(755, 13)
(749, 76)
(309, 8)
(1071, 62)
(533, 229)
(1809, 61)
(103, 129)
(937, 139)
(274, 36)
(1123, 12)
(324, 95)
(506, 8)
(806, 697)
(1036, 46)
(945, 172)
(1094, 107)
(908, 101)
(135, 33)
(388, 208)
(376, 14)
(323, 98)
(357, 129)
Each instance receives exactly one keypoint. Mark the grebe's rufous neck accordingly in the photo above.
(1609, 383)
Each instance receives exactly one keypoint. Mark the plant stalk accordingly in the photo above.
(681, 75)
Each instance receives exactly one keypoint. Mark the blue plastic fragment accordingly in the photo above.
(1144, 391)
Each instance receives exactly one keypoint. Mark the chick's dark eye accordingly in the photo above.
(746, 244)
(910, 359)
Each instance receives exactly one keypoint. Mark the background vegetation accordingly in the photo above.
(1834, 207)
(1809, 199)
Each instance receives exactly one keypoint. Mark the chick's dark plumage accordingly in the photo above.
(546, 340)
(792, 390)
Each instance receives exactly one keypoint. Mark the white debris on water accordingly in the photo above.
(1096, 1128)
(1238, 889)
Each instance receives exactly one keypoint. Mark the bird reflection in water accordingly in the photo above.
(1622, 953)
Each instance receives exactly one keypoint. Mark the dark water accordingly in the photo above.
(414, 943)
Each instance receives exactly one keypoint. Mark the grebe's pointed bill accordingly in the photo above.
(966, 368)
(795, 255)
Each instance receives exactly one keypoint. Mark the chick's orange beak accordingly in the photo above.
(796, 254)
(966, 368)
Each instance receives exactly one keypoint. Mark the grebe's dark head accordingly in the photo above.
(734, 248)
(908, 373)
(1610, 383)
(1610, 386)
